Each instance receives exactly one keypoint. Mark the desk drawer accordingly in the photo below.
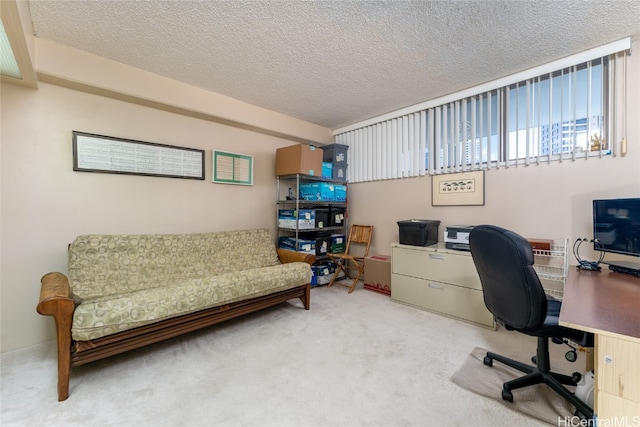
(616, 411)
(618, 367)
(451, 300)
(439, 266)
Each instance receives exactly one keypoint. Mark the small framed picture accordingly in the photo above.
(458, 189)
(232, 168)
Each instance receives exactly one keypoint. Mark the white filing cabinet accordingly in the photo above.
(438, 279)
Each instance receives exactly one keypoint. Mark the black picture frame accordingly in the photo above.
(108, 154)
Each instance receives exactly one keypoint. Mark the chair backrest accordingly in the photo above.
(511, 288)
(360, 234)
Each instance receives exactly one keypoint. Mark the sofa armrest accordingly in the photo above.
(56, 299)
(292, 256)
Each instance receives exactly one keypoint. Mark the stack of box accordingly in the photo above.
(317, 243)
(323, 192)
(323, 273)
(336, 154)
(317, 191)
(299, 245)
(302, 219)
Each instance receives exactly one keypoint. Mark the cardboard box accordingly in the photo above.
(338, 243)
(318, 191)
(322, 274)
(299, 245)
(327, 169)
(300, 158)
(377, 274)
(340, 193)
(304, 218)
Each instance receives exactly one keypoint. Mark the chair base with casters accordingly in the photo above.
(539, 374)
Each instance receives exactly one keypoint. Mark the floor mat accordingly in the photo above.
(537, 401)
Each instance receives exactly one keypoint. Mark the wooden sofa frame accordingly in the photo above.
(56, 299)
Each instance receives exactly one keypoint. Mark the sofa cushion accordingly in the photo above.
(101, 266)
(177, 296)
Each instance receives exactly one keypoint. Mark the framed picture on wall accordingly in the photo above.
(108, 154)
(458, 189)
(232, 168)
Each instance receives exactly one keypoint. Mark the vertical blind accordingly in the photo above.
(562, 114)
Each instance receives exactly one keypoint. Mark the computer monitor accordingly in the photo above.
(616, 226)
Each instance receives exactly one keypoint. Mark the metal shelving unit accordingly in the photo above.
(292, 189)
(552, 267)
(297, 204)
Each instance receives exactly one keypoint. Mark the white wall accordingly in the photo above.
(45, 204)
(546, 201)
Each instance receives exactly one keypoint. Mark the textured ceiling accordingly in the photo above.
(334, 63)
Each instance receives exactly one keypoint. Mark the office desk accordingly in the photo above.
(608, 304)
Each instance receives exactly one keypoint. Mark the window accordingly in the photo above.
(558, 114)
(467, 133)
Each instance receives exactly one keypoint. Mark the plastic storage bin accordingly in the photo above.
(336, 216)
(323, 217)
(335, 153)
(418, 232)
(339, 172)
(322, 241)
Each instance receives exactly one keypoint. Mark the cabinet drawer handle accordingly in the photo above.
(436, 256)
(436, 286)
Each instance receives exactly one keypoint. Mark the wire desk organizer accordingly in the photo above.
(552, 266)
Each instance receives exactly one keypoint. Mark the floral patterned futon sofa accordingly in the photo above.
(126, 291)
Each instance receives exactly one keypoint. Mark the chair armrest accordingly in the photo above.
(292, 256)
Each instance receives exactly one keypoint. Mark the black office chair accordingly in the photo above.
(514, 295)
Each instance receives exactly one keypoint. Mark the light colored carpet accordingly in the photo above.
(353, 360)
(538, 401)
